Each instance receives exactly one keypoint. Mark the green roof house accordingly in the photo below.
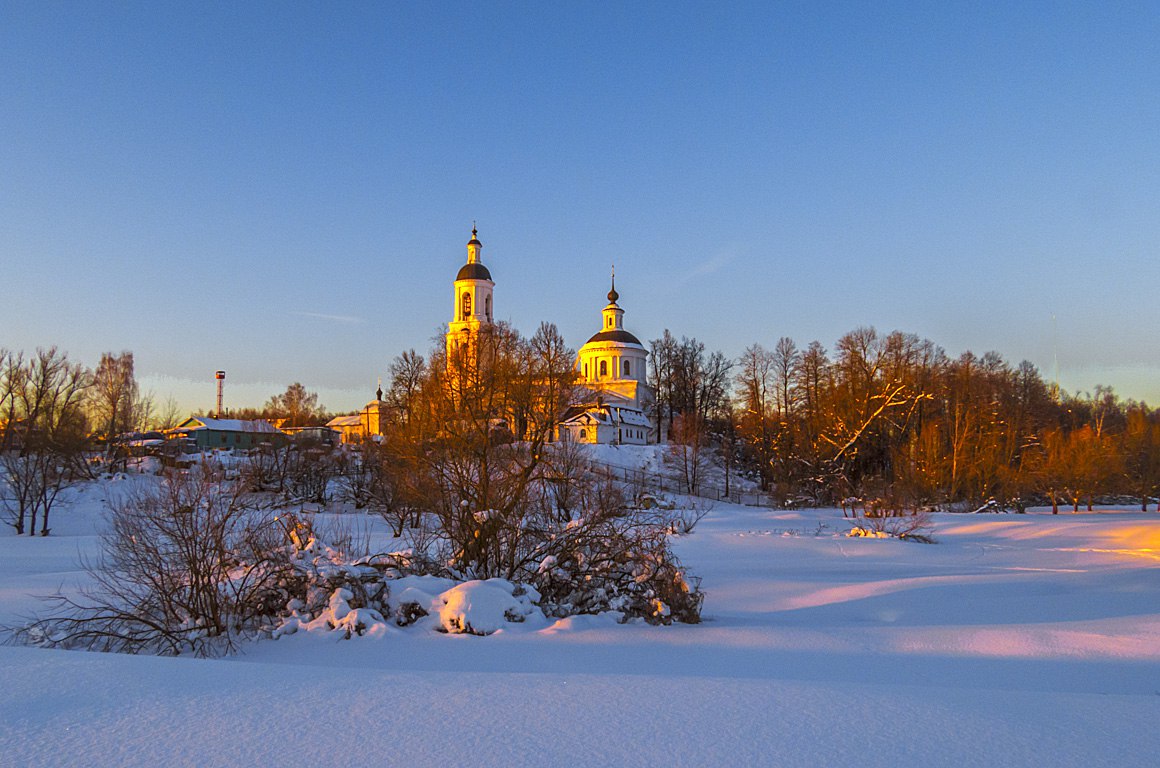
(210, 433)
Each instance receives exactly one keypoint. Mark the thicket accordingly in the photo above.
(470, 459)
(893, 420)
(467, 475)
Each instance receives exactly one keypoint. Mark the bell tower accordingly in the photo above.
(472, 306)
(613, 314)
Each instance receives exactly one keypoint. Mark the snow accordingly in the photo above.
(485, 607)
(338, 620)
(1016, 640)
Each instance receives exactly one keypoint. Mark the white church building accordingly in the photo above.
(612, 364)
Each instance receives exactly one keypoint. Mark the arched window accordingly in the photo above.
(583, 434)
(627, 369)
(586, 370)
(487, 307)
(603, 369)
(466, 305)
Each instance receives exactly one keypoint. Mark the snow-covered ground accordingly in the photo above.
(1029, 640)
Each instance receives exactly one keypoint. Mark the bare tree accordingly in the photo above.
(45, 434)
(114, 395)
(407, 372)
(1142, 454)
(784, 361)
(9, 427)
(165, 415)
(755, 383)
(554, 374)
(298, 406)
(661, 362)
(188, 567)
(688, 449)
(374, 479)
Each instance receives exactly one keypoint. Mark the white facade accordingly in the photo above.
(614, 363)
(613, 369)
(370, 422)
(605, 424)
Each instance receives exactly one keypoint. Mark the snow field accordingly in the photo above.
(1028, 640)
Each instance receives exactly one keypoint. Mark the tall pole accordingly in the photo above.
(221, 378)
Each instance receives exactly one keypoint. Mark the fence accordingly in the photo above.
(660, 482)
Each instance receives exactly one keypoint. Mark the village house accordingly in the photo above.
(209, 433)
(369, 423)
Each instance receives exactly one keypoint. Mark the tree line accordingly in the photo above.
(894, 418)
(52, 411)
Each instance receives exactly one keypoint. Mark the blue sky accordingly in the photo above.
(284, 191)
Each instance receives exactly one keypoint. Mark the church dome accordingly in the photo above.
(475, 271)
(618, 335)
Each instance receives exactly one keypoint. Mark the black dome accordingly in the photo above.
(473, 272)
(623, 337)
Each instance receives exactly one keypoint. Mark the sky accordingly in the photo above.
(284, 191)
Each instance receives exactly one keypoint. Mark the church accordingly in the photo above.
(612, 365)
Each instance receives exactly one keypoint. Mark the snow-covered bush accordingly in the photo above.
(483, 607)
(189, 565)
(619, 561)
(196, 562)
(599, 555)
(878, 520)
(684, 520)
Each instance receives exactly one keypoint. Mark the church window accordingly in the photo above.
(603, 369)
(586, 370)
(627, 369)
(487, 307)
(466, 305)
(584, 433)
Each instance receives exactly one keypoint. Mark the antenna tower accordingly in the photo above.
(221, 380)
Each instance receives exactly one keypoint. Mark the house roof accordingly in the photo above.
(572, 412)
(227, 425)
(302, 430)
(605, 414)
(633, 417)
(345, 421)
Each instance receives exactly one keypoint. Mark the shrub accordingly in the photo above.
(878, 520)
(187, 567)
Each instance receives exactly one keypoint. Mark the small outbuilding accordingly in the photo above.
(605, 424)
(318, 435)
(368, 423)
(209, 433)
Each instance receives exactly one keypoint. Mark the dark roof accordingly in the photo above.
(617, 335)
(473, 272)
